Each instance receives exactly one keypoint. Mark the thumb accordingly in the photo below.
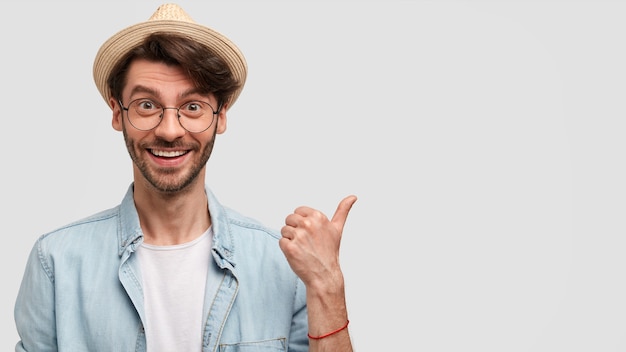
(341, 214)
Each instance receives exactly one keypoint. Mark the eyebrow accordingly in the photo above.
(155, 93)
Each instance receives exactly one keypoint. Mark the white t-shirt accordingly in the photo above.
(174, 280)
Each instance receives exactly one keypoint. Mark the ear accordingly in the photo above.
(221, 120)
(116, 122)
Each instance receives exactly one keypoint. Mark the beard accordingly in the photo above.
(168, 180)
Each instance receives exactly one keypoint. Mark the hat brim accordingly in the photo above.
(116, 47)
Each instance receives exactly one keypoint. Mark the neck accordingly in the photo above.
(169, 219)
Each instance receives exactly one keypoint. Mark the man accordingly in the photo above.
(170, 268)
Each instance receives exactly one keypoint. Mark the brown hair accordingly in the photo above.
(207, 70)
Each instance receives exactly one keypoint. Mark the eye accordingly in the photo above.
(193, 109)
(146, 105)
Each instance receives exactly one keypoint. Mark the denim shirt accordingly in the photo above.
(81, 289)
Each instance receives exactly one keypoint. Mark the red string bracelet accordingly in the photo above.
(328, 334)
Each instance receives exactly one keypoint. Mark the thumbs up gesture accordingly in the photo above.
(310, 242)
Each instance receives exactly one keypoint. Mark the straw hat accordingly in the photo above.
(169, 18)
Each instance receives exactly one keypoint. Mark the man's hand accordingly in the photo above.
(311, 243)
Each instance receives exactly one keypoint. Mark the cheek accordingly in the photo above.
(131, 136)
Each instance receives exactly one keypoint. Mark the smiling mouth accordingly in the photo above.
(168, 153)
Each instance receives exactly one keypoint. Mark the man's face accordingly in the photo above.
(168, 157)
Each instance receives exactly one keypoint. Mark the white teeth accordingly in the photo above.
(168, 154)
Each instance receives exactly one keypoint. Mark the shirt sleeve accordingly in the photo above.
(298, 339)
(34, 307)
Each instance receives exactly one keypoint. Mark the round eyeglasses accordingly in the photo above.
(194, 116)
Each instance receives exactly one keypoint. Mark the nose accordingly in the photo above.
(170, 128)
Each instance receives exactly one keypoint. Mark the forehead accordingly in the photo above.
(167, 83)
(156, 75)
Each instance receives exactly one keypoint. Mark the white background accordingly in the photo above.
(485, 141)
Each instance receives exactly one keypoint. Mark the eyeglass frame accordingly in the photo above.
(163, 108)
